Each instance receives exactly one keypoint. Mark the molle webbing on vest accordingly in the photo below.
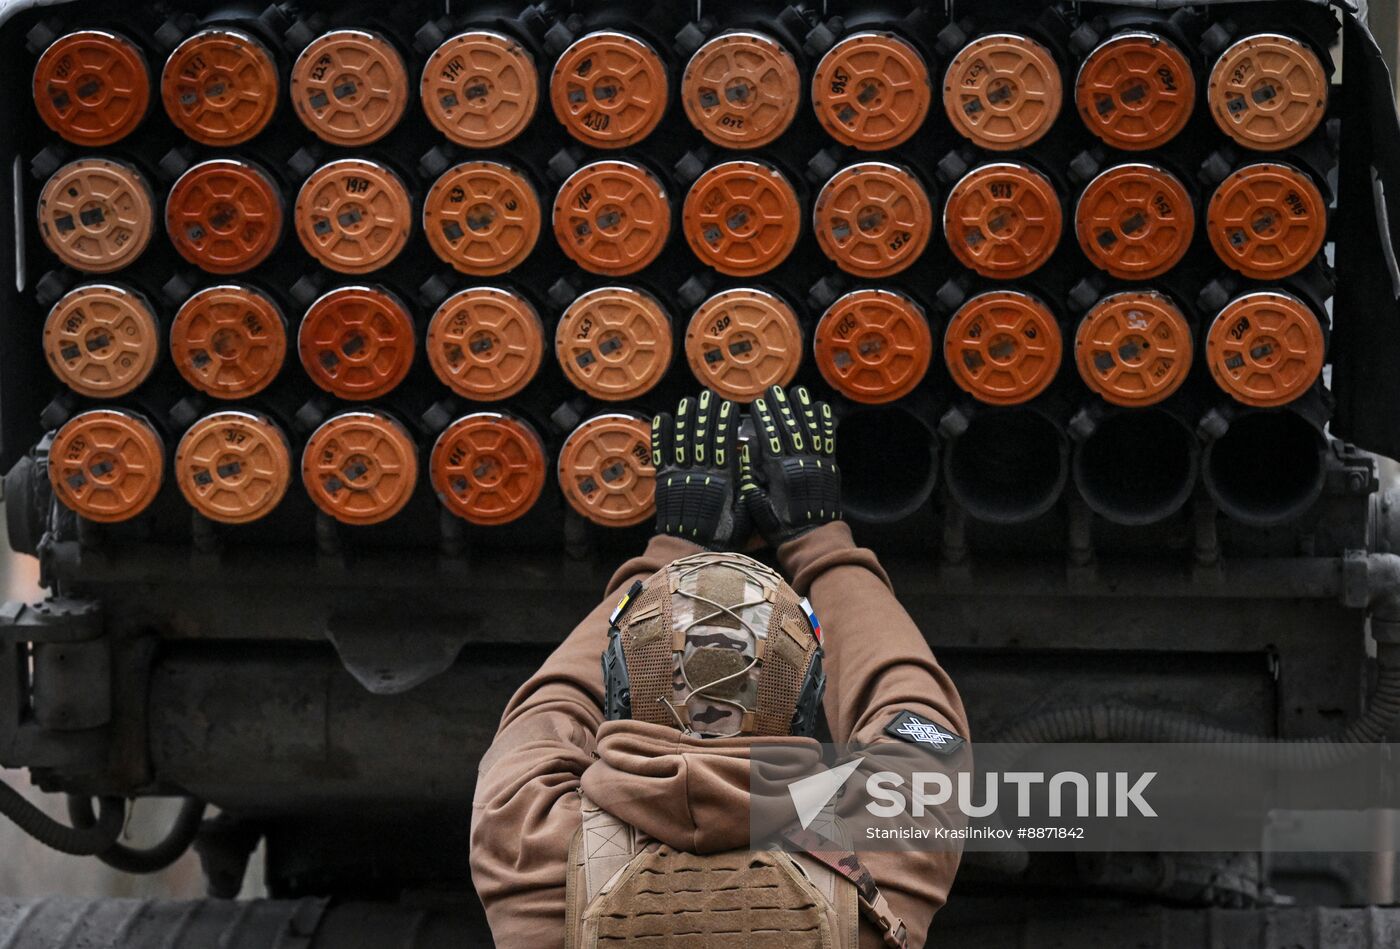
(625, 889)
(673, 900)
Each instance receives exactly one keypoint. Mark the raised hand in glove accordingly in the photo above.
(696, 456)
(790, 483)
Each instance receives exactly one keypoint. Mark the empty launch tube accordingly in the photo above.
(1008, 466)
(1268, 467)
(1137, 467)
(873, 489)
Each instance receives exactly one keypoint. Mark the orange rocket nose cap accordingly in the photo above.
(229, 341)
(742, 218)
(1267, 221)
(92, 87)
(614, 343)
(873, 219)
(97, 215)
(742, 341)
(220, 87)
(1268, 92)
(480, 89)
(224, 216)
(605, 470)
(101, 340)
(871, 91)
(488, 468)
(609, 89)
(350, 87)
(356, 342)
(741, 90)
(1134, 349)
(1003, 91)
(1136, 91)
(612, 217)
(873, 346)
(482, 217)
(1135, 221)
(354, 216)
(1003, 348)
(106, 465)
(360, 467)
(1265, 349)
(485, 344)
(233, 467)
(1003, 220)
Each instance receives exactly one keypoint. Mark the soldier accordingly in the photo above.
(649, 755)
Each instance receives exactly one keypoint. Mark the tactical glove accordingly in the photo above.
(696, 456)
(790, 483)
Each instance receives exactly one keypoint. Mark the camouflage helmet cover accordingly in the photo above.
(716, 645)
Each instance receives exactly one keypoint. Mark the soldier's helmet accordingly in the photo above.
(715, 645)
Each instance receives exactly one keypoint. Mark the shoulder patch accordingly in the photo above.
(918, 730)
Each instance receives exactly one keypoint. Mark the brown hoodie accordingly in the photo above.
(691, 793)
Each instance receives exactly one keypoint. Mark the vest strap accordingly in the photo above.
(873, 904)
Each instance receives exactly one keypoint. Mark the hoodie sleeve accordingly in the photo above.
(525, 809)
(877, 664)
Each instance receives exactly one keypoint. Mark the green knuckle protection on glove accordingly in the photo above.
(695, 454)
(791, 484)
